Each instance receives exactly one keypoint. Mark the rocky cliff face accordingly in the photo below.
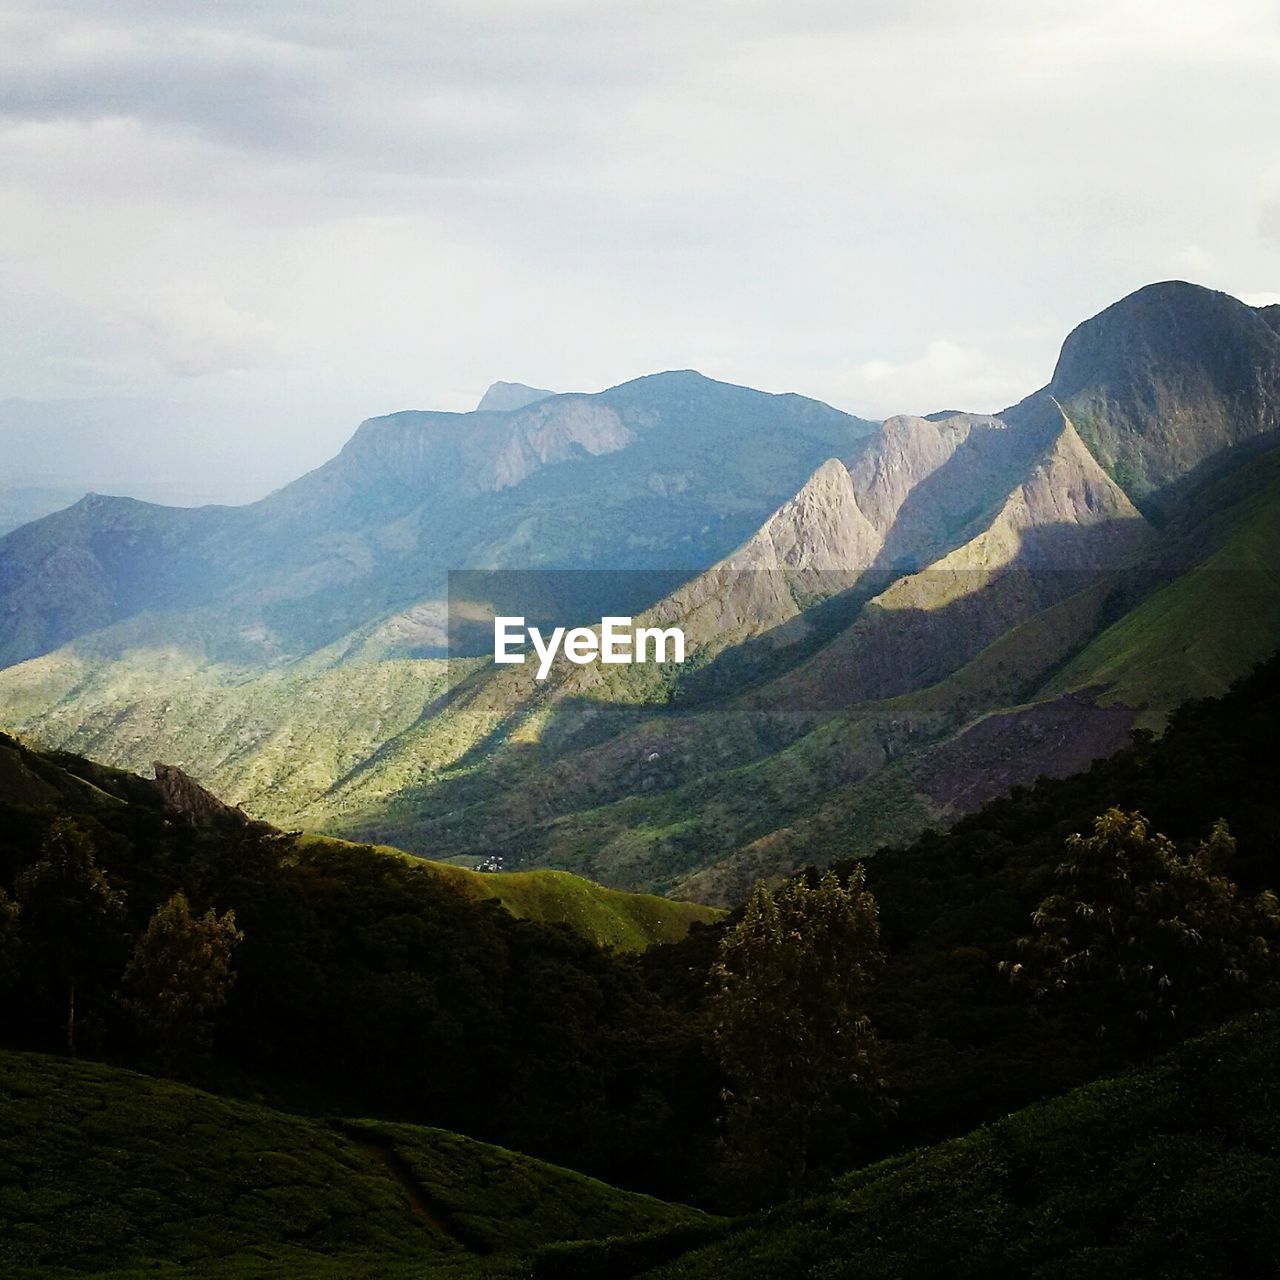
(1165, 381)
(483, 452)
(1060, 527)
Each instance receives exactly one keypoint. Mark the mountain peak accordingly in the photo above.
(1164, 382)
(503, 397)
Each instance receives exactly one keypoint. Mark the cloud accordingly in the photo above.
(946, 375)
(312, 206)
(194, 331)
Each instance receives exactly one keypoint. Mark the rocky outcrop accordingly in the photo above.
(549, 432)
(503, 397)
(906, 452)
(821, 529)
(1064, 525)
(185, 800)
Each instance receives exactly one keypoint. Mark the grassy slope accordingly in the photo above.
(1194, 636)
(103, 1170)
(272, 742)
(607, 917)
(1172, 1171)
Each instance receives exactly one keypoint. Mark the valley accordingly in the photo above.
(944, 609)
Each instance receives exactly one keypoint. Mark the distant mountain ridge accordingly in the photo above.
(667, 470)
(502, 397)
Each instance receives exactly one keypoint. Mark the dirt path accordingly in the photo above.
(384, 1154)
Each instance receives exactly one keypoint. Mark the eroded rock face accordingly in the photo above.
(185, 799)
(907, 451)
(551, 432)
(1165, 380)
(481, 452)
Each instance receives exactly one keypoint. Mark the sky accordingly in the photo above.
(254, 225)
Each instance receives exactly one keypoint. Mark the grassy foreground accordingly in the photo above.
(107, 1172)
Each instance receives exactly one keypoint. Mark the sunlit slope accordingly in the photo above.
(647, 801)
(722, 804)
(103, 1171)
(1196, 634)
(272, 742)
(607, 917)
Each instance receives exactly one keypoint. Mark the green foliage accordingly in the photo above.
(368, 981)
(180, 974)
(1138, 937)
(606, 917)
(70, 912)
(102, 1169)
(1171, 1172)
(787, 1012)
(1191, 637)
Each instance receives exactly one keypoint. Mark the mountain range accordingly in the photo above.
(891, 622)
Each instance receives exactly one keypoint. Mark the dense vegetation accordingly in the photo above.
(364, 982)
(962, 1043)
(367, 984)
(1173, 1171)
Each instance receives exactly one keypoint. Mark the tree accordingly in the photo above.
(70, 913)
(1138, 937)
(180, 974)
(786, 1010)
(9, 925)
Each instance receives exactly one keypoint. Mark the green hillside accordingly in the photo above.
(607, 917)
(107, 1172)
(1196, 634)
(603, 916)
(1173, 1171)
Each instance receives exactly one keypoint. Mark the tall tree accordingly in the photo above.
(180, 974)
(798, 1051)
(8, 939)
(70, 913)
(1138, 937)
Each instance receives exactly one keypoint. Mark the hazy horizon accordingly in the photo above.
(260, 228)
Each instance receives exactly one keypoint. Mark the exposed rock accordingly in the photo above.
(820, 530)
(185, 799)
(503, 397)
(1163, 381)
